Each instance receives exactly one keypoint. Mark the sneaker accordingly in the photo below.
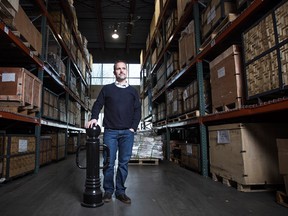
(107, 197)
(124, 198)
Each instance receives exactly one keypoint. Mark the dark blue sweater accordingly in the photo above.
(122, 107)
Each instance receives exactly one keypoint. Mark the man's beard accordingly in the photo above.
(121, 78)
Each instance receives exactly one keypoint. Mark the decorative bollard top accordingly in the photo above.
(94, 131)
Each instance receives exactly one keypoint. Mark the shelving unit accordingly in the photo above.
(66, 83)
(198, 69)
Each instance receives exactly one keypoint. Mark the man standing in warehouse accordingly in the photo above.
(122, 114)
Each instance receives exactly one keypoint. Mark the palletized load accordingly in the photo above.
(147, 146)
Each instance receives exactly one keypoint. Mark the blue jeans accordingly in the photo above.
(121, 140)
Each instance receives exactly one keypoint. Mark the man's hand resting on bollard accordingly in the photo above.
(90, 123)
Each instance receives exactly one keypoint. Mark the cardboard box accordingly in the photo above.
(181, 5)
(23, 24)
(226, 69)
(12, 3)
(19, 87)
(19, 154)
(282, 145)
(214, 13)
(246, 152)
(8, 8)
(190, 156)
(45, 156)
(58, 145)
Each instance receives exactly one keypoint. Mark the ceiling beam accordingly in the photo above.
(100, 24)
(130, 24)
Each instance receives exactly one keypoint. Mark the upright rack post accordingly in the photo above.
(200, 79)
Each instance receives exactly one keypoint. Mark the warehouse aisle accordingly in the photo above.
(163, 190)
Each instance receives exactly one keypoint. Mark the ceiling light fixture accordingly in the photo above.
(115, 34)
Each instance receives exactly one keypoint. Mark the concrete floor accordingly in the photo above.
(162, 190)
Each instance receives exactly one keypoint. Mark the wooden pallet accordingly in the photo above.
(190, 115)
(282, 198)
(144, 161)
(19, 110)
(161, 123)
(186, 116)
(26, 43)
(227, 107)
(242, 187)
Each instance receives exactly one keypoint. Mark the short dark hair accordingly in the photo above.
(118, 61)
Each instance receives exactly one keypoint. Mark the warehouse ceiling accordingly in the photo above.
(97, 19)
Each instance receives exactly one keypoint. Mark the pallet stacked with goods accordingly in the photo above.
(45, 71)
(147, 149)
(231, 79)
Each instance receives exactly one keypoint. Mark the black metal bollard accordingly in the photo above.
(92, 196)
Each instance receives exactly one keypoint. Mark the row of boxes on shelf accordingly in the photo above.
(265, 69)
(18, 152)
(216, 14)
(180, 100)
(65, 31)
(54, 107)
(265, 53)
(165, 71)
(252, 156)
(210, 17)
(20, 90)
(22, 26)
(53, 58)
(170, 23)
(263, 73)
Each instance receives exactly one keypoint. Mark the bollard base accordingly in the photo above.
(92, 200)
(93, 205)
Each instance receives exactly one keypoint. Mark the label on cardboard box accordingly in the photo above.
(189, 149)
(221, 72)
(22, 145)
(8, 77)
(223, 137)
